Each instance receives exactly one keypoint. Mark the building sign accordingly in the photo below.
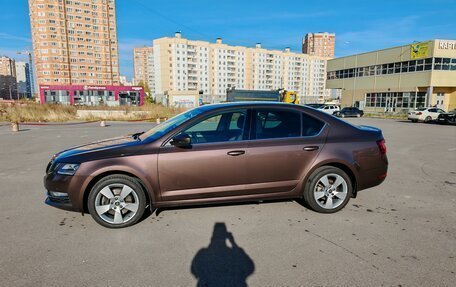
(447, 45)
(419, 50)
(181, 101)
(94, 88)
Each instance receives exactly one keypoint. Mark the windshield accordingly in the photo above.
(170, 124)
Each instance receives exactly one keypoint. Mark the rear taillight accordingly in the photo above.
(381, 146)
(418, 113)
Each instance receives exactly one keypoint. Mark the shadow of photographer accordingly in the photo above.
(221, 264)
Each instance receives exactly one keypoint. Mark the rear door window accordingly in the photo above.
(311, 126)
(272, 123)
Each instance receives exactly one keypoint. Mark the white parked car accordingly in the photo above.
(426, 115)
(329, 109)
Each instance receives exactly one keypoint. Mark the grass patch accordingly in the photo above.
(33, 112)
(26, 111)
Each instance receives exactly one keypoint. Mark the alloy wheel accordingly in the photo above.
(330, 191)
(116, 203)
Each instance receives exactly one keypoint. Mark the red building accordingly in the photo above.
(92, 95)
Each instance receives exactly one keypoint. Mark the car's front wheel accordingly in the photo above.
(328, 190)
(117, 201)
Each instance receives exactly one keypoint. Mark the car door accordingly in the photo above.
(283, 145)
(432, 113)
(214, 164)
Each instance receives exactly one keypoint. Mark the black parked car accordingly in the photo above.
(349, 112)
(447, 118)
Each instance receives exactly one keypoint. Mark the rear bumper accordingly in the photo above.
(373, 176)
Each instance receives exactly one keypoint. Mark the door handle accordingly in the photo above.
(310, 148)
(236, 152)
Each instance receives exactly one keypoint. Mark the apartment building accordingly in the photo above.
(23, 79)
(319, 44)
(75, 42)
(143, 61)
(8, 86)
(212, 68)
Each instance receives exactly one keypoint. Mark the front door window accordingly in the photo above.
(225, 127)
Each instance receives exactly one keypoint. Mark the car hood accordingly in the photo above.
(119, 146)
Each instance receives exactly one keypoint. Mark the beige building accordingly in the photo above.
(8, 86)
(143, 65)
(319, 44)
(212, 68)
(75, 42)
(399, 78)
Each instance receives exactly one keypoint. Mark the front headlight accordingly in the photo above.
(67, 168)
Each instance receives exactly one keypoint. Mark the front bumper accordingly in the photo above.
(69, 185)
(59, 202)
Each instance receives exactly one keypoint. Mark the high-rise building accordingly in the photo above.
(143, 60)
(75, 42)
(212, 68)
(8, 86)
(319, 44)
(24, 88)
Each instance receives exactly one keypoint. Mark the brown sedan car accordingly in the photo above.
(220, 153)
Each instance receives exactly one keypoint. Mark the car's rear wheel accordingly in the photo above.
(342, 115)
(414, 121)
(428, 119)
(358, 115)
(328, 190)
(117, 201)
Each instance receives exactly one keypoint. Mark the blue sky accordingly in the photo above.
(360, 26)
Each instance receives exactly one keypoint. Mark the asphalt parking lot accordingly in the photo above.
(401, 233)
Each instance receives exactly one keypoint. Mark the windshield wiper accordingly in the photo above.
(136, 136)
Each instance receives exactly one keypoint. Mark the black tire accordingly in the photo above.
(428, 119)
(115, 183)
(311, 186)
(414, 121)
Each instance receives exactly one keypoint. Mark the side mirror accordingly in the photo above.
(181, 140)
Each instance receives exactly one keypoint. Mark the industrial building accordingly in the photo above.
(397, 79)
